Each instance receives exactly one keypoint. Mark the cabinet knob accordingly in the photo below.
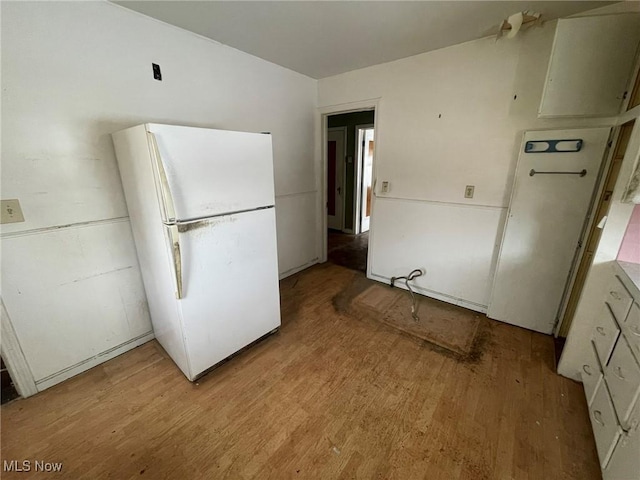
(618, 372)
(601, 331)
(587, 369)
(597, 416)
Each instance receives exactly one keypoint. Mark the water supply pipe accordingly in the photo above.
(414, 300)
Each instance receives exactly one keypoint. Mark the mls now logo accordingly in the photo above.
(28, 465)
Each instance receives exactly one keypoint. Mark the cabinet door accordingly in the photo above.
(605, 333)
(631, 329)
(625, 460)
(591, 65)
(605, 424)
(591, 374)
(618, 299)
(623, 379)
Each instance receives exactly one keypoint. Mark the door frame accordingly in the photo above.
(14, 358)
(358, 178)
(321, 161)
(340, 164)
(626, 115)
(614, 137)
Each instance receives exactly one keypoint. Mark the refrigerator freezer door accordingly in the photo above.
(230, 284)
(214, 172)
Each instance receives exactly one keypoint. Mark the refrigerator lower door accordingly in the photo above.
(230, 294)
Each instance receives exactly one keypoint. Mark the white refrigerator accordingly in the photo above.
(201, 205)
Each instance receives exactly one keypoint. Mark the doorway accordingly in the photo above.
(349, 162)
(364, 177)
(592, 238)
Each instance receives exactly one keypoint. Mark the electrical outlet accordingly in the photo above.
(385, 187)
(11, 211)
(468, 191)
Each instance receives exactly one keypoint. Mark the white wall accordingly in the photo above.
(72, 73)
(447, 119)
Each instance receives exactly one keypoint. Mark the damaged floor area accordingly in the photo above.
(332, 395)
(448, 328)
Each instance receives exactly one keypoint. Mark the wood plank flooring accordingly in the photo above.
(348, 250)
(329, 396)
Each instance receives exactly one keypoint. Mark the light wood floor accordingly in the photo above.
(328, 397)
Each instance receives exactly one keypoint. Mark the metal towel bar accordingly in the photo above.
(582, 173)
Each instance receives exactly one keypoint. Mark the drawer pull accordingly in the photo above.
(634, 331)
(597, 416)
(617, 371)
(587, 369)
(601, 331)
(615, 295)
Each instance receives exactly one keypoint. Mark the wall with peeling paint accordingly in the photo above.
(72, 73)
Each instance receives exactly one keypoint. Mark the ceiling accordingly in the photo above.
(324, 38)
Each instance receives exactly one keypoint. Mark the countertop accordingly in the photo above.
(633, 272)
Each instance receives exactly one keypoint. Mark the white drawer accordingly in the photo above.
(634, 421)
(625, 460)
(605, 333)
(631, 329)
(605, 424)
(622, 376)
(591, 374)
(619, 299)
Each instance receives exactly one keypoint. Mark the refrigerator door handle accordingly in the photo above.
(166, 198)
(174, 240)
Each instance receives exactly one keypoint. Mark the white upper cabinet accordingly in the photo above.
(591, 64)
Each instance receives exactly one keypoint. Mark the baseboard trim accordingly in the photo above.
(292, 271)
(476, 307)
(85, 365)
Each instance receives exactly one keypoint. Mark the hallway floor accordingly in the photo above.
(348, 250)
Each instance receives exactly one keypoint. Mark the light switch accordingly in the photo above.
(468, 191)
(385, 187)
(11, 211)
